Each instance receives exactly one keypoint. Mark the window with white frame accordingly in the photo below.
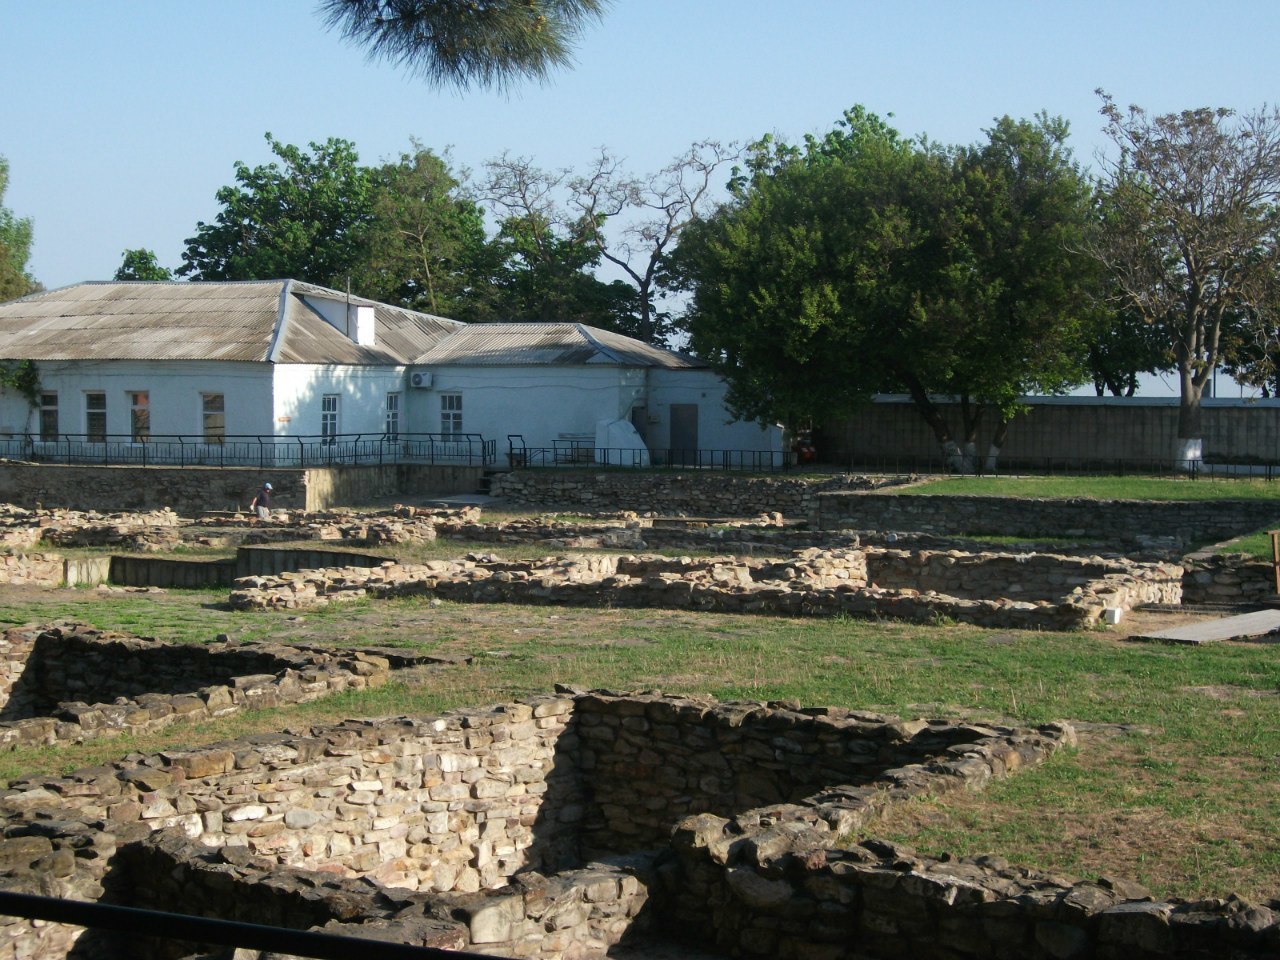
(48, 416)
(451, 413)
(214, 414)
(392, 425)
(95, 417)
(140, 416)
(329, 417)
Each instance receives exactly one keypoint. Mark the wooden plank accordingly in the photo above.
(1246, 625)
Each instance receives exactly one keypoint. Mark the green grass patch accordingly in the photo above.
(1098, 488)
(1256, 545)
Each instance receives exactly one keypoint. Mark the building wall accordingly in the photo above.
(175, 389)
(541, 403)
(717, 430)
(259, 398)
(545, 404)
(1082, 428)
(362, 391)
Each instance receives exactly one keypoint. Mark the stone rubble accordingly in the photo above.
(1030, 591)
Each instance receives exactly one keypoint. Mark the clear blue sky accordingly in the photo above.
(121, 120)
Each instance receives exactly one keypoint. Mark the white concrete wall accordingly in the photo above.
(175, 389)
(717, 430)
(357, 322)
(541, 403)
(362, 391)
(545, 404)
(259, 398)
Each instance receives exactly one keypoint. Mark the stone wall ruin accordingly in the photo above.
(697, 493)
(1024, 591)
(1142, 525)
(556, 826)
(71, 683)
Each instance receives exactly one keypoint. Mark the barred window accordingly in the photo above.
(95, 417)
(140, 416)
(451, 413)
(329, 416)
(214, 417)
(392, 425)
(48, 416)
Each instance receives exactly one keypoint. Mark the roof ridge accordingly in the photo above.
(282, 318)
(162, 283)
(585, 331)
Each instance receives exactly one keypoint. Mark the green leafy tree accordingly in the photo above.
(1251, 350)
(305, 218)
(861, 262)
(1191, 234)
(426, 247)
(1121, 347)
(1020, 315)
(814, 252)
(141, 264)
(15, 247)
(491, 43)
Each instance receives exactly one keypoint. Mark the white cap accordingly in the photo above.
(268, 486)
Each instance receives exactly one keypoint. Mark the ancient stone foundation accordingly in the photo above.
(1232, 578)
(1027, 591)
(698, 493)
(68, 684)
(557, 826)
(1128, 524)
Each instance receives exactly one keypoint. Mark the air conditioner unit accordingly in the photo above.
(421, 381)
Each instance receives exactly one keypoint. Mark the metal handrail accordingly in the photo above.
(226, 933)
(260, 450)
(568, 453)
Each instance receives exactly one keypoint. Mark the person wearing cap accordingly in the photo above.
(262, 502)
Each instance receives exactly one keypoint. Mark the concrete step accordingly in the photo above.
(1247, 626)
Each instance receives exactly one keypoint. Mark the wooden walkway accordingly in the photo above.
(1243, 627)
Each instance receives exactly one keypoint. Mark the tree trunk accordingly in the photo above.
(997, 444)
(971, 415)
(942, 433)
(645, 333)
(1188, 453)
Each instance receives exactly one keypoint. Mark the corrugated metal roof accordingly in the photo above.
(239, 320)
(547, 344)
(142, 321)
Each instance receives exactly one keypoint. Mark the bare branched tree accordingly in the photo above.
(1191, 232)
(489, 43)
(559, 220)
(663, 204)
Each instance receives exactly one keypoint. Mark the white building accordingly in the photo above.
(221, 369)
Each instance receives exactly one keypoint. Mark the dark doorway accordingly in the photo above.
(684, 434)
(640, 420)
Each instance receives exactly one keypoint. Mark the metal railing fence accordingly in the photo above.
(568, 453)
(344, 449)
